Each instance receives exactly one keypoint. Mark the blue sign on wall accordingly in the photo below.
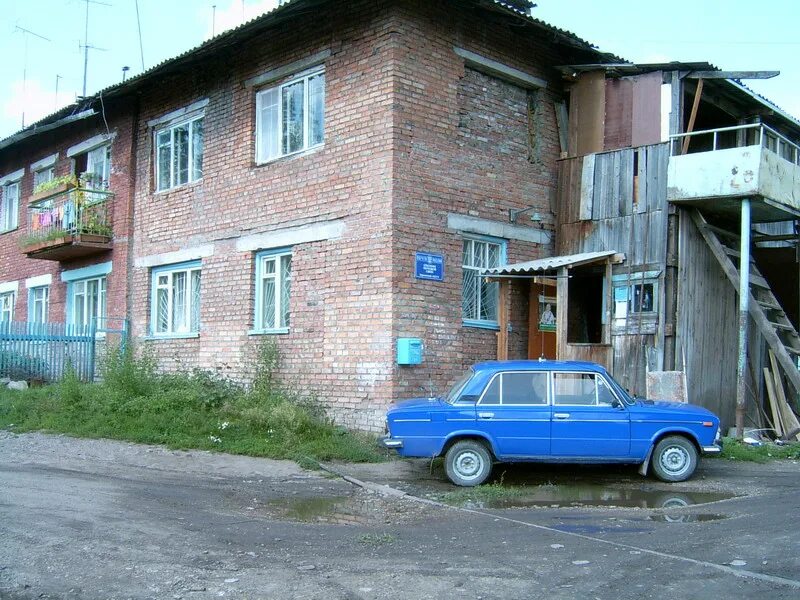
(429, 266)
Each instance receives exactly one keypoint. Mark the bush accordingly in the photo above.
(20, 366)
(191, 409)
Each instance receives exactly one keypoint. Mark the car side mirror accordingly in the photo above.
(617, 403)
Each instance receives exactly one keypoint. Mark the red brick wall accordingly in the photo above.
(16, 266)
(410, 136)
(462, 147)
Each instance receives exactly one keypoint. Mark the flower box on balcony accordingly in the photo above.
(54, 191)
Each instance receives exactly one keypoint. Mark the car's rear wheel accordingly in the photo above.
(674, 459)
(468, 463)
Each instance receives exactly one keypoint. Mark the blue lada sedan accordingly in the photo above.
(549, 411)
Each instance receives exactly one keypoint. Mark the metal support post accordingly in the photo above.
(744, 307)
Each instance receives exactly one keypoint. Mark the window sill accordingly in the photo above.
(172, 336)
(182, 186)
(9, 230)
(493, 325)
(299, 153)
(281, 331)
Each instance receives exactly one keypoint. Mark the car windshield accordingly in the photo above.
(455, 390)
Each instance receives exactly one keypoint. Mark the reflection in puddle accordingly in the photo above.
(679, 518)
(557, 496)
(340, 510)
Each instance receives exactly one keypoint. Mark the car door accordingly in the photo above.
(514, 411)
(587, 418)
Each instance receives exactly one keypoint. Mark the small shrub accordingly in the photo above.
(20, 366)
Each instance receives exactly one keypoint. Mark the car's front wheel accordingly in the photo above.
(468, 463)
(674, 459)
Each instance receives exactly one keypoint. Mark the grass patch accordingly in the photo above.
(191, 410)
(490, 493)
(733, 449)
(377, 539)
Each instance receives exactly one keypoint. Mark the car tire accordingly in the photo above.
(674, 459)
(468, 463)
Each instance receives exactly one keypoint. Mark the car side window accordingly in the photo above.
(575, 389)
(492, 393)
(524, 388)
(605, 397)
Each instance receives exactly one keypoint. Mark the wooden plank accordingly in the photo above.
(788, 418)
(502, 321)
(587, 188)
(759, 318)
(562, 121)
(731, 74)
(692, 115)
(777, 424)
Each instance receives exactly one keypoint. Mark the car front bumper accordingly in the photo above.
(388, 442)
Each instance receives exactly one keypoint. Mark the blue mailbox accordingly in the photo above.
(409, 351)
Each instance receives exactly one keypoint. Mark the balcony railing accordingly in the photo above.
(737, 136)
(78, 217)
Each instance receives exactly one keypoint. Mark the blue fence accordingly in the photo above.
(45, 351)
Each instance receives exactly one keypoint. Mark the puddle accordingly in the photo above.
(679, 518)
(360, 509)
(586, 495)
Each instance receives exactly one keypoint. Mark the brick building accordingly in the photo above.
(285, 175)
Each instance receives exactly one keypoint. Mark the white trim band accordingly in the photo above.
(292, 236)
(181, 113)
(9, 286)
(91, 144)
(43, 163)
(12, 177)
(498, 69)
(39, 281)
(286, 70)
(178, 256)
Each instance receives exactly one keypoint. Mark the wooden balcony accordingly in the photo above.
(718, 168)
(68, 222)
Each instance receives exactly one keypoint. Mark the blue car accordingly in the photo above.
(549, 411)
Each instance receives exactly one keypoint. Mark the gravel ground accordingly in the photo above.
(99, 519)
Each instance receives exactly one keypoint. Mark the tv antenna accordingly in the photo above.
(86, 47)
(25, 34)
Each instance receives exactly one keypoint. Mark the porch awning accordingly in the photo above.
(553, 263)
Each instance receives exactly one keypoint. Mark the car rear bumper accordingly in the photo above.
(388, 442)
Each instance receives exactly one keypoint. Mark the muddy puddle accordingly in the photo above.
(359, 509)
(586, 495)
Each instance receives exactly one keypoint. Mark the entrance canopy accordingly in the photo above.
(532, 268)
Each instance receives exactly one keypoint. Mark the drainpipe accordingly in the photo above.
(744, 302)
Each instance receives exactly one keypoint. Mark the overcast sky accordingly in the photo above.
(40, 75)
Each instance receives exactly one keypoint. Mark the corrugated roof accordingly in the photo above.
(542, 265)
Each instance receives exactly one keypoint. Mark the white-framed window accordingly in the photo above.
(7, 307)
(9, 207)
(290, 117)
(43, 175)
(175, 299)
(273, 291)
(480, 297)
(636, 297)
(86, 302)
(38, 304)
(93, 167)
(179, 153)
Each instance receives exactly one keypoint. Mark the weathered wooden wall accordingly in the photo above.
(707, 332)
(617, 201)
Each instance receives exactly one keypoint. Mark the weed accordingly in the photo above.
(190, 409)
(733, 449)
(491, 492)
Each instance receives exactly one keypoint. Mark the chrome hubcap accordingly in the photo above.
(468, 465)
(675, 460)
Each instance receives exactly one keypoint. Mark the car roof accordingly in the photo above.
(537, 365)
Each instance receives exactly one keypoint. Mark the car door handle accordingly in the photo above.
(561, 415)
(485, 415)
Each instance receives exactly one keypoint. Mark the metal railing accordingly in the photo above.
(74, 212)
(46, 351)
(737, 136)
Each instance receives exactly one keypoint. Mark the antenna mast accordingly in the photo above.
(25, 34)
(86, 46)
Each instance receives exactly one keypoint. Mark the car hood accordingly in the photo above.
(673, 408)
